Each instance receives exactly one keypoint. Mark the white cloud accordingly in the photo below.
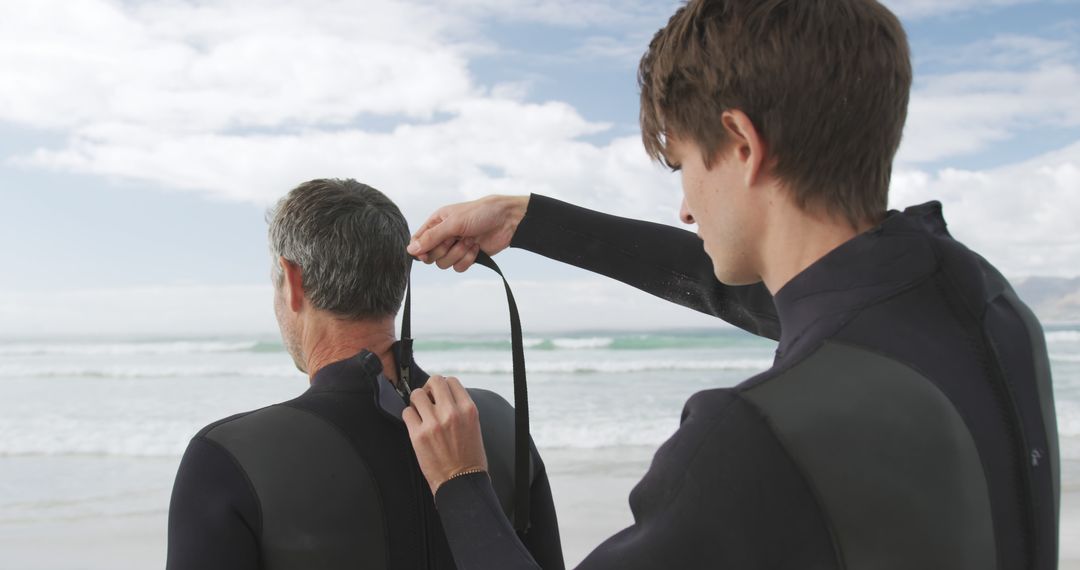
(626, 49)
(568, 13)
(1021, 217)
(1004, 50)
(490, 146)
(605, 12)
(228, 64)
(915, 9)
(197, 67)
(963, 113)
(243, 102)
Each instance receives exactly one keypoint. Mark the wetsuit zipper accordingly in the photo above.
(425, 540)
(424, 526)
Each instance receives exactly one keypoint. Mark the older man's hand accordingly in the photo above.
(454, 234)
(445, 431)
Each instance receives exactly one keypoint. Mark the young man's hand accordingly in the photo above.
(444, 427)
(454, 234)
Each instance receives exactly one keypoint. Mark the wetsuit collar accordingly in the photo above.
(363, 373)
(866, 268)
(353, 374)
(387, 396)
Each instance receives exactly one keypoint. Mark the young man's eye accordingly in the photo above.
(674, 167)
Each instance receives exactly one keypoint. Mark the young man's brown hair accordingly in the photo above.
(825, 82)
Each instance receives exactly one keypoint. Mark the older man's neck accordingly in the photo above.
(331, 340)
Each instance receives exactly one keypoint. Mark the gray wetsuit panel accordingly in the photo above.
(320, 504)
(891, 460)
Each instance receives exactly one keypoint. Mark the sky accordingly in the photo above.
(141, 143)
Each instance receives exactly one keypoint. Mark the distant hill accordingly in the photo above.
(1054, 299)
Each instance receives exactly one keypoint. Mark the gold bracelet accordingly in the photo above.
(465, 472)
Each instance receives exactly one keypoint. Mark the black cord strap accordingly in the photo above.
(522, 453)
(405, 356)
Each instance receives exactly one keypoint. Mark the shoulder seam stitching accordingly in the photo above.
(247, 480)
(814, 493)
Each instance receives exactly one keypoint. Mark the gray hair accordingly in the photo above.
(349, 240)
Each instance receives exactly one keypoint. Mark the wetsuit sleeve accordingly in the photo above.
(213, 515)
(721, 493)
(479, 533)
(542, 539)
(661, 260)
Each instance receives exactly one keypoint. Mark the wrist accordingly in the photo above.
(513, 210)
(462, 473)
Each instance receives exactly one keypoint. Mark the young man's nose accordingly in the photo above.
(684, 213)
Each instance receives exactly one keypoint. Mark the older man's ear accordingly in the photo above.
(292, 284)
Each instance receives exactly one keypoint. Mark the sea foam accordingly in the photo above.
(1062, 336)
(123, 349)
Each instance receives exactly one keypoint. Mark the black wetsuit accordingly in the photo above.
(907, 422)
(329, 480)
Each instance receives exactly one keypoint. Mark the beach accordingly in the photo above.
(590, 490)
(91, 431)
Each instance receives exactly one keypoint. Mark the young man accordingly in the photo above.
(908, 419)
(328, 480)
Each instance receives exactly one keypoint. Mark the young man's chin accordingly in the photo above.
(734, 278)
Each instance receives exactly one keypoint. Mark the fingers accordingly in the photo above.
(438, 252)
(459, 393)
(432, 221)
(421, 402)
(490, 222)
(464, 401)
(412, 419)
(439, 228)
(437, 401)
(440, 394)
(466, 262)
(455, 254)
(436, 396)
(444, 429)
(419, 247)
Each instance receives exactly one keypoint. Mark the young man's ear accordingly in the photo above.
(745, 144)
(292, 284)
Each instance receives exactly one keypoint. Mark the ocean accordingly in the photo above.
(91, 430)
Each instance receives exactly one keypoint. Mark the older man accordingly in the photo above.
(329, 480)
